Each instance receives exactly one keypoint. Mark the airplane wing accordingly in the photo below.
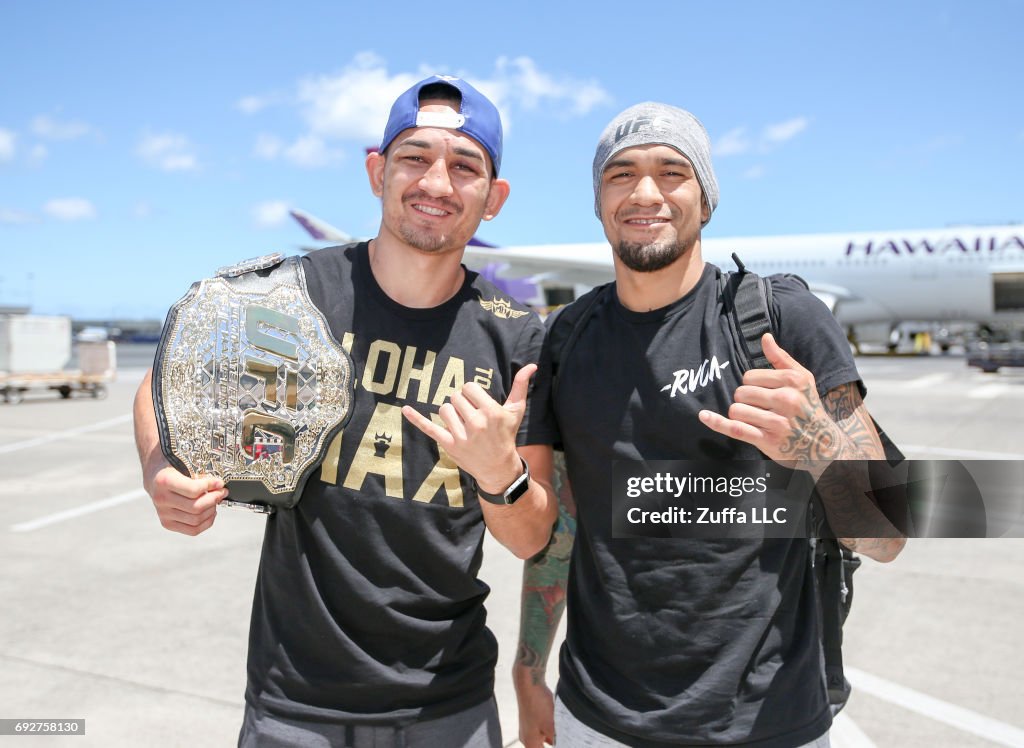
(568, 264)
(828, 300)
(830, 295)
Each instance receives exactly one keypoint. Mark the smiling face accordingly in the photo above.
(652, 206)
(435, 185)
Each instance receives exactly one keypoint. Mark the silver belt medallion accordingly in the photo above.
(249, 384)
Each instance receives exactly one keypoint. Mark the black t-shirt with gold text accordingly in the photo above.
(367, 606)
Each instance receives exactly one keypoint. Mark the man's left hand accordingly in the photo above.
(478, 433)
(778, 411)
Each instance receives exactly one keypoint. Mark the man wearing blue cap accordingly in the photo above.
(680, 640)
(368, 625)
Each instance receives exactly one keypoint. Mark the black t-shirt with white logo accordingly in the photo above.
(367, 605)
(675, 641)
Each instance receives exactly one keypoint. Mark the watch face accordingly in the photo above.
(520, 486)
(515, 493)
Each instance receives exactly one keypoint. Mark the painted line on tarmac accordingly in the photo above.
(936, 709)
(95, 506)
(67, 434)
(845, 733)
(928, 380)
(989, 391)
(967, 454)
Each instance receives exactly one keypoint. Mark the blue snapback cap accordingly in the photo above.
(477, 117)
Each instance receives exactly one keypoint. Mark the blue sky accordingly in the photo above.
(144, 145)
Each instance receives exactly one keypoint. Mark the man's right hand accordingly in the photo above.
(185, 505)
(536, 708)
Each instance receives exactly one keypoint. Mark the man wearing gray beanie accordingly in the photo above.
(651, 122)
(681, 641)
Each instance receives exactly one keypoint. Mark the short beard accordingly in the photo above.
(422, 240)
(648, 258)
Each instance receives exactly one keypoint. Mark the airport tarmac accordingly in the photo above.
(142, 632)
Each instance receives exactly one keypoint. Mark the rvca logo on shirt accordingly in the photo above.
(688, 380)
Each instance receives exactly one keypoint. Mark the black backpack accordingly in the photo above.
(747, 302)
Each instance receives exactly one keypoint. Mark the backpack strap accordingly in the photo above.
(834, 567)
(747, 298)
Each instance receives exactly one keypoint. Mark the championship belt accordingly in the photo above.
(248, 383)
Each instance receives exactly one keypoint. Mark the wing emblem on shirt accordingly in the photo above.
(501, 308)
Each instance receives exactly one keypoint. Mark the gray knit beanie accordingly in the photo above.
(654, 123)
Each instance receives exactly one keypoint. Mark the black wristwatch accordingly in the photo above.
(511, 494)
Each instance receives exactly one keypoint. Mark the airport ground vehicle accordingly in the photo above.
(14, 386)
(990, 358)
(34, 351)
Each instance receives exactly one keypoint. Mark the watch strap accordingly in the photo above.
(509, 496)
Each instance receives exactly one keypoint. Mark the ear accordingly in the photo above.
(500, 189)
(705, 210)
(375, 163)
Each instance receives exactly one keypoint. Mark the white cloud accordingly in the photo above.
(783, 131)
(168, 151)
(353, 104)
(736, 142)
(7, 138)
(253, 104)
(308, 151)
(271, 213)
(12, 217)
(142, 210)
(519, 81)
(589, 96)
(733, 143)
(38, 153)
(51, 129)
(258, 102)
(268, 147)
(311, 152)
(754, 172)
(70, 209)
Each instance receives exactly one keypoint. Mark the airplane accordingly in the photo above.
(871, 281)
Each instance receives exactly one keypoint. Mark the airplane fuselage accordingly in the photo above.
(946, 275)
(970, 274)
(959, 274)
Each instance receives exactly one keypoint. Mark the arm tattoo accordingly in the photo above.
(846, 409)
(544, 582)
(846, 434)
(843, 481)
